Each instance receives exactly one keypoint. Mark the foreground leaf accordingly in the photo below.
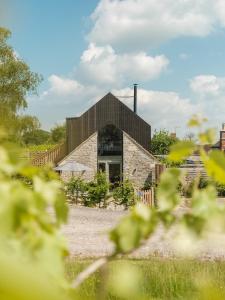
(181, 150)
(215, 165)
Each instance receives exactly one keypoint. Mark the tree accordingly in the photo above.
(161, 142)
(36, 137)
(190, 136)
(58, 133)
(16, 82)
(27, 126)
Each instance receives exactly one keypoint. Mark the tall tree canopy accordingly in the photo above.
(58, 133)
(161, 142)
(16, 82)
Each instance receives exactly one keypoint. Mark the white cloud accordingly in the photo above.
(220, 10)
(161, 109)
(64, 98)
(141, 24)
(208, 85)
(103, 66)
(209, 92)
(63, 86)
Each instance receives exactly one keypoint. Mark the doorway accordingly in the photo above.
(114, 173)
(112, 166)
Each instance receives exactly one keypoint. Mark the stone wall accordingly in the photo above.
(86, 154)
(138, 163)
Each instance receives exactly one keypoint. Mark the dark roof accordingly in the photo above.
(108, 110)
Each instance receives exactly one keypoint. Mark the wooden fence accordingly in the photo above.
(53, 156)
(159, 169)
(147, 197)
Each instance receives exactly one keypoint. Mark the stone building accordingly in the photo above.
(112, 138)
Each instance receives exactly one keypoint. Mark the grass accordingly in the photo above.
(161, 279)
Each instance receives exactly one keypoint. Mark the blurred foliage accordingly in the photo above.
(161, 142)
(181, 150)
(32, 250)
(168, 163)
(203, 182)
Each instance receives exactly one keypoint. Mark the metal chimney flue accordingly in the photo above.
(135, 98)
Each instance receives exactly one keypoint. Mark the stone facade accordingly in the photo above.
(138, 163)
(86, 154)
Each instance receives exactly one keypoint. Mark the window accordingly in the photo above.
(110, 141)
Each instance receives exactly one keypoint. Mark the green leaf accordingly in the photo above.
(61, 210)
(126, 235)
(215, 165)
(207, 137)
(196, 121)
(204, 201)
(167, 192)
(181, 150)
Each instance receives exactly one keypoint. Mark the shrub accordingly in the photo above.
(97, 190)
(76, 188)
(124, 194)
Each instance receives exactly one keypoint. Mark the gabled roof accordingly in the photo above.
(108, 110)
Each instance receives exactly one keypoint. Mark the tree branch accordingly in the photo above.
(89, 271)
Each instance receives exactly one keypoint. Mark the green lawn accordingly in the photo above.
(161, 279)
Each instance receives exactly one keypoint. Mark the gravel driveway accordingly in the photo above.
(87, 231)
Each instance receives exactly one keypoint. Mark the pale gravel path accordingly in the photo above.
(87, 231)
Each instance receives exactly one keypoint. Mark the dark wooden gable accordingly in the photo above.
(109, 110)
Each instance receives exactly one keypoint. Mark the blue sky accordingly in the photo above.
(175, 50)
(49, 35)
